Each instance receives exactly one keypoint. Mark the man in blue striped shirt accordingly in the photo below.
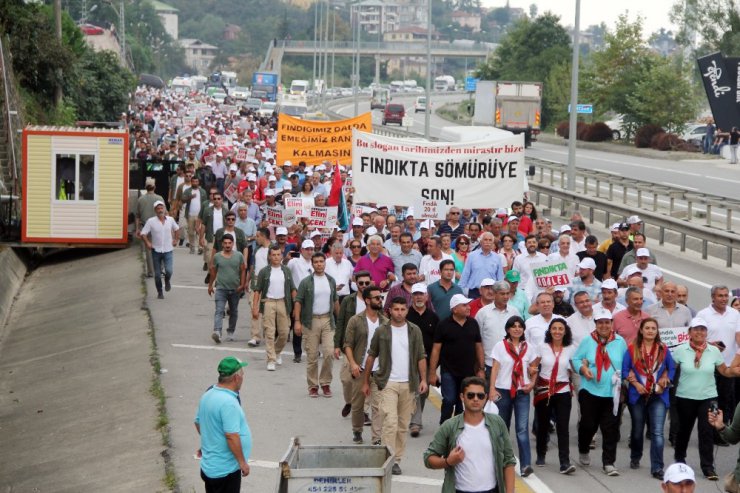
(481, 264)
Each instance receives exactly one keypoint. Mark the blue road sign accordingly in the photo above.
(583, 108)
(470, 83)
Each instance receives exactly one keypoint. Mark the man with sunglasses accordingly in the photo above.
(360, 331)
(473, 448)
(350, 306)
(453, 226)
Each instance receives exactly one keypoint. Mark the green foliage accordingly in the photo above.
(716, 22)
(662, 97)
(557, 86)
(529, 52)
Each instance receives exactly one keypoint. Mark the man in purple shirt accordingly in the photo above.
(379, 266)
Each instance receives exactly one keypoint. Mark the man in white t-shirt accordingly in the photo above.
(479, 438)
(582, 322)
(300, 268)
(429, 271)
(609, 294)
(538, 325)
(164, 232)
(651, 273)
(338, 267)
(262, 239)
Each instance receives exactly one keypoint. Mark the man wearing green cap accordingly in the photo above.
(225, 437)
(518, 298)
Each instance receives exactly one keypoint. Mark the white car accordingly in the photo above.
(616, 126)
(266, 109)
(240, 93)
(421, 104)
(219, 97)
(694, 133)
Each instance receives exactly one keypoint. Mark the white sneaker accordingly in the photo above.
(610, 470)
(270, 366)
(253, 342)
(230, 338)
(279, 360)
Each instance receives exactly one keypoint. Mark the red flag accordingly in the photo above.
(336, 188)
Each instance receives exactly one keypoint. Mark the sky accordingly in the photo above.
(654, 12)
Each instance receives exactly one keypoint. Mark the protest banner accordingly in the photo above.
(277, 216)
(211, 158)
(322, 217)
(347, 186)
(224, 141)
(468, 175)
(301, 205)
(429, 209)
(232, 192)
(673, 336)
(359, 210)
(227, 108)
(550, 274)
(317, 141)
(241, 155)
(189, 121)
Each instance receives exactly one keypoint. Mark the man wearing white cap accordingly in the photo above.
(651, 273)
(609, 293)
(300, 268)
(458, 350)
(678, 478)
(423, 316)
(613, 235)
(164, 231)
(586, 281)
(144, 212)
(598, 360)
(635, 224)
(631, 256)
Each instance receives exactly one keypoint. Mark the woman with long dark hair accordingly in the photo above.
(649, 368)
(552, 392)
(514, 367)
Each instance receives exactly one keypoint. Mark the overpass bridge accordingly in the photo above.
(380, 49)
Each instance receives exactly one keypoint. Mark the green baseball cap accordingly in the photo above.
(513, 276)
(230, 365)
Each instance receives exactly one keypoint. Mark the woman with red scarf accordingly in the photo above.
(512, 379)
(598, 360)
(552, 391)
(648, 367)
(696, 391)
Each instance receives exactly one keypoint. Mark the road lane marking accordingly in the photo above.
(678, 186)
(188, 287)
(686, 278)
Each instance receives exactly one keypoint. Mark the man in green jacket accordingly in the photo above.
(401, 373)
(315, 307)
(274, 293)
(460, 447)
(351, 305)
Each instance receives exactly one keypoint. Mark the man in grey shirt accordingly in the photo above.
(407, 255)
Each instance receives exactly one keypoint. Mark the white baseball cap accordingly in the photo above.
(609, 284)
(459, 299)
(642, 252)
(602, 315)
(634, 220)
(587, 263)
(281, 230)
(307, 244)
(358, 222)
(675, 473)
(314, 233)
(419, 287)
(487, 282)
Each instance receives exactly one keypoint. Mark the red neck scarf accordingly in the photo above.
(551, 386)
(699, 350)
(647, 363)
(602, 355)
(517, 373)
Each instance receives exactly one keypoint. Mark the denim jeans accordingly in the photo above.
(159, 258)
(223, 296)
(450, 389)
(520, 406)
(654, 411)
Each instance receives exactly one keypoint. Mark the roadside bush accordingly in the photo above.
(665, 142)
(562, 129)
(644, 135)
(597, 132)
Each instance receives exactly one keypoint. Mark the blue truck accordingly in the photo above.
(265, 85)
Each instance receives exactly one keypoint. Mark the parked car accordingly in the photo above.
(421, 104)
(393, 113)
(694, 133)
(266, 109)
(616, 125)
(91, 29)
(239, 93)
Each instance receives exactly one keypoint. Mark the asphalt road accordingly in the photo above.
(278, 407)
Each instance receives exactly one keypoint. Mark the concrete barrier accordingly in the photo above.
(12, 272)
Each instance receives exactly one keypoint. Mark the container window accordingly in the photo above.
(87, 177)
(75, 177)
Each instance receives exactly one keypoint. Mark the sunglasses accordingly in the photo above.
(473, 395)
(455, 213)
(231, 219)
(378, 297)
(364, 283)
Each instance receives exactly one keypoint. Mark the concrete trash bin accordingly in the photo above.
(335, 469)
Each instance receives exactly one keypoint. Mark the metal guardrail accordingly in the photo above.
(705, 234)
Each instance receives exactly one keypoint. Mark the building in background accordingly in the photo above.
(169, 17)
(198, 55)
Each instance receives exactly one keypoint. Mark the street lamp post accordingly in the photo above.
(315, 44)
(427, 110)
(571, 171)
(356, 82)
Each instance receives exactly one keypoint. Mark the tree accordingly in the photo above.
(615, 70)
(716, 22)
(662, 97)
(529, 52)
(558, 92)
(533, 10)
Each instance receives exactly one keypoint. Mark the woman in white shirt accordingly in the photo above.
(514, 367)
(552, 391)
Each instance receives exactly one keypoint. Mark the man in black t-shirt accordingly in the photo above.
(734, 137)
(621, 245)
(458, 349)
(598, 257)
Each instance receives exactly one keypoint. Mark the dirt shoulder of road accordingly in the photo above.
(76, 412)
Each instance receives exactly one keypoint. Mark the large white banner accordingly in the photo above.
(480, 174)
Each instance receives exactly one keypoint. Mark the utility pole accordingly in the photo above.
(428, 106)
(58, 94)
(571, 171)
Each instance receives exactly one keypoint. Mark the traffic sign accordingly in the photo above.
(470, 83)
(583, 108)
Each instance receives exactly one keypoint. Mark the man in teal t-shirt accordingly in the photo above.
(225, 437)
(229, 272)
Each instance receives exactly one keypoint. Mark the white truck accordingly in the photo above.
(444, 83)
(513, 106)
(299, 87)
